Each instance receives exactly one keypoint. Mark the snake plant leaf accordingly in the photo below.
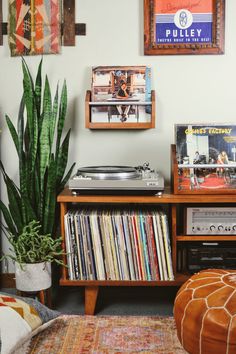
(36, 201)
(61, 118)
(65, 179)
(14, 199)
(13, 133)
(27, 158)
(8, 219)
(38, 88)
(23, 170)
(54, 116)
(50, 214)
(47, 100)
(29, 97)
(30, 214)
(50, 197)
(45, 144)
(62, 157)
(33, 147)
(23, 162)
(44, 150)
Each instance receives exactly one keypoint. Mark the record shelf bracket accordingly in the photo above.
(69, 28)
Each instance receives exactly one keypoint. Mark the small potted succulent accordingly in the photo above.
(33, 254)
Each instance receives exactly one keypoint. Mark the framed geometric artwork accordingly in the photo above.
(34, 27)
(184, 27)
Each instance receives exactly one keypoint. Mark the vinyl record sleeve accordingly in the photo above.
(206, 156)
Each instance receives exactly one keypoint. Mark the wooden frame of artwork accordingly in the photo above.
(184, 27)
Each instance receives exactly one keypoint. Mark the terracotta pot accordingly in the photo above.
(33, 276)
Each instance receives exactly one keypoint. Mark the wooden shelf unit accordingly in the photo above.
(167, 198)
(120, 125)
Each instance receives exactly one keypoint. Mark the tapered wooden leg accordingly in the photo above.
(49, 298)
(42, 297)
(91, 293)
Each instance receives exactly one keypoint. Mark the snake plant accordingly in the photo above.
(42, 153)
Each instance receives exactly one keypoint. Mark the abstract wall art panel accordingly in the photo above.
(34, 27)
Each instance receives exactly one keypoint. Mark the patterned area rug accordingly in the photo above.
(108, 335)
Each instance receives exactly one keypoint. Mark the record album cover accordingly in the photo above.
(206, 156)
(112, 85)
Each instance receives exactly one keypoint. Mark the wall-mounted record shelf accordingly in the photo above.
(109, 107)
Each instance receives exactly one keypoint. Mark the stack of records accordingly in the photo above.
(114, 244)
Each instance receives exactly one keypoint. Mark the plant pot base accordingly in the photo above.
(33, 277)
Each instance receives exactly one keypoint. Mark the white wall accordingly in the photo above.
(189, 88)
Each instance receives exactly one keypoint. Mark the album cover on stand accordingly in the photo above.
(114, 85)
(206, 157)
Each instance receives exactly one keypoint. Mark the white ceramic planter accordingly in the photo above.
(33, 276)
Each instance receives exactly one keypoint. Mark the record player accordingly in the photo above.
(117, 180)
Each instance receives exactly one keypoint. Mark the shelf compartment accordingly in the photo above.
(119, 125)
(179, 280)
(205, 238)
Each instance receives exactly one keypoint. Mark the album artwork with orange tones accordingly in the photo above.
(206, 157)
(34, 27)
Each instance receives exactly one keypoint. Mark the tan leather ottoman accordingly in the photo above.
(205, 312)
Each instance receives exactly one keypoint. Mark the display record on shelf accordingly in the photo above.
(206, 157)
(121, 94)
(114, 244)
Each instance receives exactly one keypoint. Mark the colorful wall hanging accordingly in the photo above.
(34, 27)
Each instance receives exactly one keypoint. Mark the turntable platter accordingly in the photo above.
(109, 172)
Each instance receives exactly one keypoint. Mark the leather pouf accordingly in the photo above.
(205, 312)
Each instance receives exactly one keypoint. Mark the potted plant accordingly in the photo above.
(33, 254)
(42, 156)
(42, 147)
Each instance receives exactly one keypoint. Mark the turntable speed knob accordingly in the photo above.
(212, 227)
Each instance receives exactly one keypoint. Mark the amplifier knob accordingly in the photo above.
(220, 227)
(212, 227)
(234, 227)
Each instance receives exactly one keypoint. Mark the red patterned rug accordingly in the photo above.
(108, 335)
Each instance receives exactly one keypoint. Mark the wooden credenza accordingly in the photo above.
(175, 204)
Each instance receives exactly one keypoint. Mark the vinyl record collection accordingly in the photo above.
(114, 244)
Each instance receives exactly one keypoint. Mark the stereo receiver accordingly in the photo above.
(206, 255)
(211, 221)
